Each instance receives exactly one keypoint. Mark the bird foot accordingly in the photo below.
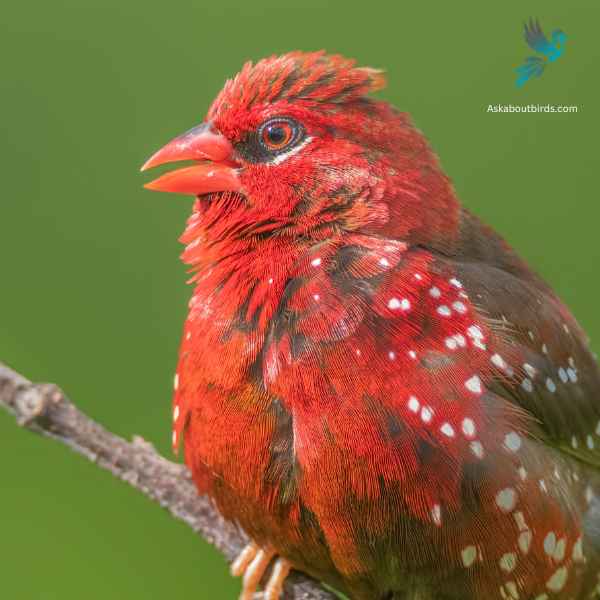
(251, 564)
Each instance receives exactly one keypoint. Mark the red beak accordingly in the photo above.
(216, 171)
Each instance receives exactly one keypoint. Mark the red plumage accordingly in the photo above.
(371, 382)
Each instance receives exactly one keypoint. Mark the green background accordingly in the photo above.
(92, 292)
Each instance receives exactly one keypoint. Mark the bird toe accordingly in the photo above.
(274, 587)
(252, 564)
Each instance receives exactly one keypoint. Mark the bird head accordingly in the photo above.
(294, 145)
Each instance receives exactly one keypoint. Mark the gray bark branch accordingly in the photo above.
(44, 409)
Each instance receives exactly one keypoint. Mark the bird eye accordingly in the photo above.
(271, 140)
(278, 134)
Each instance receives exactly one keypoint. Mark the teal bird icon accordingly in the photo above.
(547, 51)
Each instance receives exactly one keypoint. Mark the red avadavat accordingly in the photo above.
(371, 382)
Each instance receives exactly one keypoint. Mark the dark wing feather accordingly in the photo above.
(534, 36)
(555, 377)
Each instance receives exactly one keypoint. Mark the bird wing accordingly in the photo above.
(535, 37)
(553, 375)
(403, 372)
(448, 320)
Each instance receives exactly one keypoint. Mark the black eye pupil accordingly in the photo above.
(276, 134)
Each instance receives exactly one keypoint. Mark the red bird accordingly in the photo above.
(371, 382)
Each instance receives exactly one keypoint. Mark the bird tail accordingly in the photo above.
(532, 67)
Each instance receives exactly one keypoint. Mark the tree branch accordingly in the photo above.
(44, 409)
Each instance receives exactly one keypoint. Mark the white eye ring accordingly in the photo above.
(285, 155)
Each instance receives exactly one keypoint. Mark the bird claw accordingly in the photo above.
(274, 587)
(243, 559)
(252, 564)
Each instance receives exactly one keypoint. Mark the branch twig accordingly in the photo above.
(44, 409)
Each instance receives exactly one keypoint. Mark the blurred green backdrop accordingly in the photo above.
(93, 295)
